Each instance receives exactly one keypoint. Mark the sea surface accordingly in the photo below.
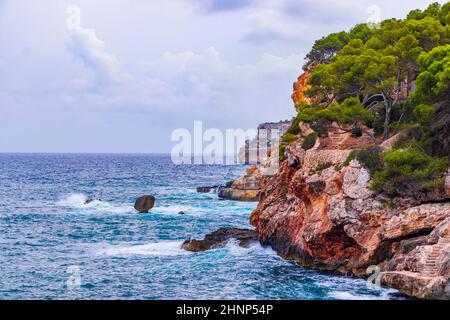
(53, 246)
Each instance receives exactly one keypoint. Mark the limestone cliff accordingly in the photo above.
(322, 214)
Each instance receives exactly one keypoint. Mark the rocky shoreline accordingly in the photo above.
(325, 217)
(330, 220)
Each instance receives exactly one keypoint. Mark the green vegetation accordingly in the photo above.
(294, 128)
(323, 166)
(433, 82)
(370, 64)
(309, 141)
(288, 138)
(389, 78)
(409, 170)
(369, 159)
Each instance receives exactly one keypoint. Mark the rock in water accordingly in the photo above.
(91, 200)
(144, 204)
(206, 189)
(218, 238)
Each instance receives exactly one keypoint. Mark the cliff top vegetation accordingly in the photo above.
(388, 77)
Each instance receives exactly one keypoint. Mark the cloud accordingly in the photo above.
(269, 25)
(215, 6)
(322, 11)
(88, 48)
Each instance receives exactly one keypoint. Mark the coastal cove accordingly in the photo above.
(47, 230)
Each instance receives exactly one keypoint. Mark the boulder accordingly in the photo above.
(239, 194)
(206, 189)
(356, 181)
(219, 238)
(417, 285)
(144, 203)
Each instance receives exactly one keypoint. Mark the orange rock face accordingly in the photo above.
(300, 86)
(330, 220)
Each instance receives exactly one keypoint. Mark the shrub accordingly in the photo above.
(408, 172)
(288, 138)
(369, 159)
(294, 128)
(282, 151)
(356, 132)
(323, 166)
(424, 114)
(309, 141)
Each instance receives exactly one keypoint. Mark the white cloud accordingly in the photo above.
(152, 66)
(270, 25)
(86, 46)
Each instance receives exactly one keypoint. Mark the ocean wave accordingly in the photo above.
(346, 295)
(176, 209)
(165, 248)
(78, 201)
(233, 248)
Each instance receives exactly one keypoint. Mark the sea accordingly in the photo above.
(54, 245)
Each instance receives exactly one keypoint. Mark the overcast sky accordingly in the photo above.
(135, 70)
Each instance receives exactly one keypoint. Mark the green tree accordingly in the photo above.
(327, 47)
(444, 14)
(433, 82)
(424, 114)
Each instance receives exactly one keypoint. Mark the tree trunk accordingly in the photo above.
(387, 120)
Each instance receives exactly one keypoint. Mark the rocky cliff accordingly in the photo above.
(301, 85)
(322, 214)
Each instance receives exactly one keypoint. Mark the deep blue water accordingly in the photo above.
(47, 233)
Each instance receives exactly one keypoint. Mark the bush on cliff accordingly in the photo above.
(409, 171)
(433, 82)
(309, 141)
(369, 159)
(294, 129)
(347, 112)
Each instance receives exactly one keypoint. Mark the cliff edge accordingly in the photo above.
(318, 210)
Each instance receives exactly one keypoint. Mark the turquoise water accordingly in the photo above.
(47, 232)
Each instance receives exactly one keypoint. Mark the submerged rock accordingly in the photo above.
(92, 200)
(144, 203)
(218, 239)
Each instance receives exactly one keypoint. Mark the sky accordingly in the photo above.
(119, 76)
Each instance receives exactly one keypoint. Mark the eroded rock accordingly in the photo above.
(144, 203)
(416, 221)
(219, 238)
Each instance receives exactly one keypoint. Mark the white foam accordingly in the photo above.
(175, 209)
(345, 295)
(165, 248)
(78, 201)
(73, 200)
(233, 247)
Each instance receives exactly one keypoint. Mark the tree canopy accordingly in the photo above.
(389, 77)
(376, 65)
